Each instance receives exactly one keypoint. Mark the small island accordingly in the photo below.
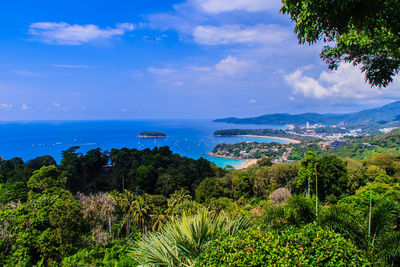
(152, 134)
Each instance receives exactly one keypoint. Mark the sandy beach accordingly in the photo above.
(248, 163)
(274, 137)
(270, 137)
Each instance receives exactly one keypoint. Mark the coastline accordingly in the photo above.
(245, 164)
(148, 136)
(265, 136)
(211, 154)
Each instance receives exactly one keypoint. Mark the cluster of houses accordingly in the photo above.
(330, 140)
(311, 131)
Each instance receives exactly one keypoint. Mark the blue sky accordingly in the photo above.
(165, 59)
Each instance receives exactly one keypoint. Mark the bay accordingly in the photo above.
(188, 138)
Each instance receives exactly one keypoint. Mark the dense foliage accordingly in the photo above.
(363, 32)
(251, 150)
(152, 134)
(146, 171)
(350, 147)
(367, 146)
(306, 246)
(263, 132)
(111, 209)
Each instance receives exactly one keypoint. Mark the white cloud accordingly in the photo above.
(56, 104)
(24, 107)
(62, 33)
(218, 6)
(199, 68)
(178, 83)
(237, 34)
(161, 71)
(252, 101)
(231, 66)
(347, 83)
(6, 106)
(25, 73)
(71, 66)
(137, 73)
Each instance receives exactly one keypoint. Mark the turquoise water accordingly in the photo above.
(189, 138)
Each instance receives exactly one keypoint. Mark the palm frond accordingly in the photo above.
(182, 240)
(342, 220)
(273, 217)
(388, 248)
(384, 216)
(300, 210)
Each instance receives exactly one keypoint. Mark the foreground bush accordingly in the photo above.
(115, 256)
(307, 246)
(182, 240)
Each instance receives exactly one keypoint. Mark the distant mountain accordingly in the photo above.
(382, 115)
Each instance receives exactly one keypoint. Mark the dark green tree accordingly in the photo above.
(47, 177)
(46, 229)
(332, 178)
(363, 32)
(308, 172)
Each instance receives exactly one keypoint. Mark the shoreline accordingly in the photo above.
(245, 164)
(148, 136)
(264, 136)
(211, 154)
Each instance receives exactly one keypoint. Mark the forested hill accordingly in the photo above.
(264, 132)
(386, 114)
(367, 146)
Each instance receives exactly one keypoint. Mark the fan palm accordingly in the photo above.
(376, 234)
(298, 210)
(182, 240)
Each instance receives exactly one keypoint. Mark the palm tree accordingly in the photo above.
(107, 208)
(376, 234)
(182, 240)
(178, 197)
(158, 221)
(140, 213)
(124, 201)
(298, 210)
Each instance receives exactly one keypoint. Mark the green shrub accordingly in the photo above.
(307, 246)
(182, 240)
(97, 256)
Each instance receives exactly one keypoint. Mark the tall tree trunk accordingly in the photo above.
(128, 225)
(316, 193)
(109, 224)
(370, 215)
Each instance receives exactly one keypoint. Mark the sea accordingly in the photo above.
(189, 138)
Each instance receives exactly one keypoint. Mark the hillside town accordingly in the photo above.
(324, 138)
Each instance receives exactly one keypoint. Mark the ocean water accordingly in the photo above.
(189, 138)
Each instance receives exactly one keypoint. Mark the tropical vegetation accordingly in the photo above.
(100, 209)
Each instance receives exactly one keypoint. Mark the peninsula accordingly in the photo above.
(152, 134)
(265, 133)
